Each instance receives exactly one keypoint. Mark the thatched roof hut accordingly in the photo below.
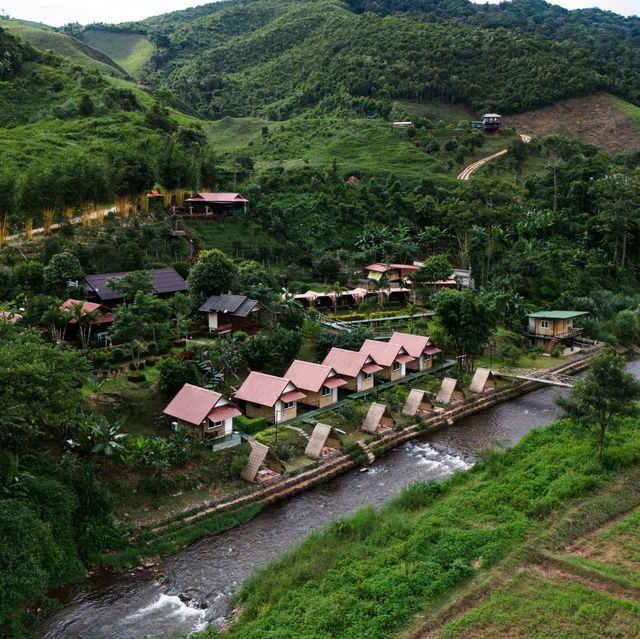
(323, 436)
(450, 391)
(483, 381)
(378, 415)
(261, 455)
(417, 402)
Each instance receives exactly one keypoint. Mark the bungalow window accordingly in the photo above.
(256, 405)
(325, 391)
(366, 376)
(427, 357)
(213, 425)
(568, 322)
(396, 366)
(544, 323)
(289, 405)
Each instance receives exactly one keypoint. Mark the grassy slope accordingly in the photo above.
(130, 50)
(43, 39)
(630, 109)
(368, 575)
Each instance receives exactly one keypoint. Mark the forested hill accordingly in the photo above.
(277, 58)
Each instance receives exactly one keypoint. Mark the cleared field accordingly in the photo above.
(130, 50)
(607, 122)
(613, 550)
(44, 38)
(535, 607)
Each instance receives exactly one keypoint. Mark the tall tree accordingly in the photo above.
(598, 404)
(212, 274)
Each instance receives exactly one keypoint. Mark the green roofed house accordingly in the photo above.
(548, 328)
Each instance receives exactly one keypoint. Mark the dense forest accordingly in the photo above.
(279, 58)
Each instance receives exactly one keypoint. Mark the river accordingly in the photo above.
(201, 578)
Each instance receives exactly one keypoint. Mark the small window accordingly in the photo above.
(289, 405)
(366, 375)
(325, 391)
(427, 357)
(396, 366)
(568, 322)
(213, 425)
(256, 405)
(544, 323)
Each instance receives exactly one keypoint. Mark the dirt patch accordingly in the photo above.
(593, 119)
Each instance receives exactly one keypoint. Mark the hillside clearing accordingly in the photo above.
(130, 50)
(598, 119)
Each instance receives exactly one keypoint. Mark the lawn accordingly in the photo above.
(536, 607)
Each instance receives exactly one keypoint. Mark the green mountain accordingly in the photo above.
(277, 58)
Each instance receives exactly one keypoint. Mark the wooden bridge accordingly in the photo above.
(542, 375)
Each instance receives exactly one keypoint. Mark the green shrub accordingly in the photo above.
(250, 426)
(238, 464)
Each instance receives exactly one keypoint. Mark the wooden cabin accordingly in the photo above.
(418, 403)
(216, 204)
(204, 411)
(450, 392)
(263, 465)
(491, 123)
(393, 358)
(166, 283)
(483, 381)
(274, 398)
(548, 328)
(419, 347)
(324, 442)
(228, 314)
(318, 382)
(379, 419)
(356, 368)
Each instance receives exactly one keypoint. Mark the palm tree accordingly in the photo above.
(336, 289)
(412, 310)
(84, 319)
(55, 320)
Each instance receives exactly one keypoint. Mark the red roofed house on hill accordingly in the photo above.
(392, 357)
(268, 396)
(103, 318)
(205, 410)
(355, 368)
(216, 204)
(418, 346)
(393, 272)
(319, 383)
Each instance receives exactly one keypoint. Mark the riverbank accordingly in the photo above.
(383, 573)
(207, 518)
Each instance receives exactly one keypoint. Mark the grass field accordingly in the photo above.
(630, 109)
(536, 607)
(43, 38)
(130, 50)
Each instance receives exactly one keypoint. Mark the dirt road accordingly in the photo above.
(466, 173)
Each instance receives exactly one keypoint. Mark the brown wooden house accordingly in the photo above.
(228, 314)
(274, 398)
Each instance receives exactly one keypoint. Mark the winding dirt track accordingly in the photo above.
(466, 173)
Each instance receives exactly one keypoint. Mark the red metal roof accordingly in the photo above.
(221, 198)
(345, 362)
(432, 350)
(88, 307)
(221, 413)
(380, 267)
(308, 375)
(292, 396)
(263, 389)
(192, 404)
(335, 382)
(415, 345)
(382, 353)
(371, 368)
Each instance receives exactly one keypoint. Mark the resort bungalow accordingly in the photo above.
(392, 357)
(318, 382)
(204, 410)
(393, 272)
(378, 419)
(419, 347)
(216, 204)
(101, 320)
(547, 328)
(355, 368)
(263, 464)
(324, 442)
(268, 396)
(450, 392)
(230, 313)
(418, 403)
(166, 283)
(483, 381)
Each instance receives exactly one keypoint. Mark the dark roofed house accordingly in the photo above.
(216, 204)
(231, 313)
(166, 282)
